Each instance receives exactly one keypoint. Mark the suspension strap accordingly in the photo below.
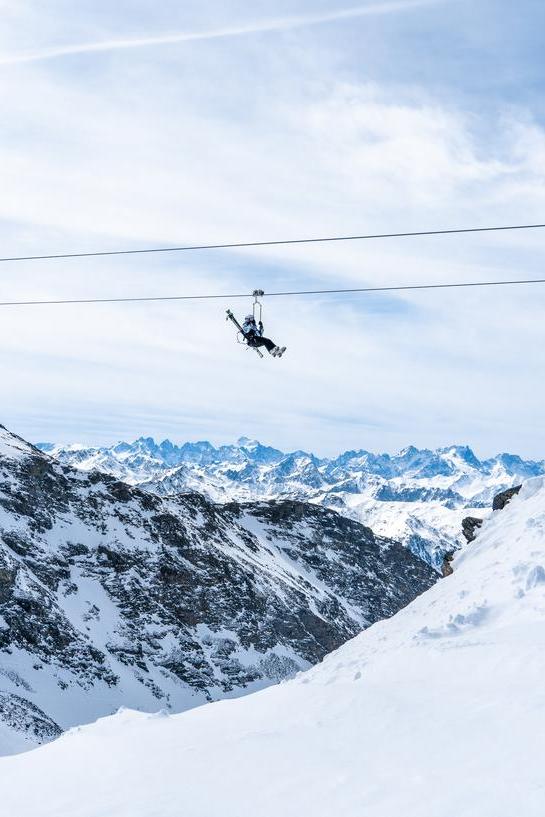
(257, 294)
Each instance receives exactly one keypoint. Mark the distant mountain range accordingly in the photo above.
(418, 496)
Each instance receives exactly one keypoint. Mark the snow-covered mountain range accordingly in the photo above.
(418, 496)
(113, 596)
(438, 711)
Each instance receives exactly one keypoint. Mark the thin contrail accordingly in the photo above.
(279, 24)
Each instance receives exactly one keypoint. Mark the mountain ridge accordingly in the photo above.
(110, 595)
(249, 447)
(418, 496)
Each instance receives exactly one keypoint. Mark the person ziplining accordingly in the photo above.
(251, 330)
(253, 335)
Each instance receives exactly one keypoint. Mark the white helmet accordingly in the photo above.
(249, 318)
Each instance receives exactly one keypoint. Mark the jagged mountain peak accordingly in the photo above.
(462, 453)
(246, 442)
(514, 464)
(411, 451)
(146, 441)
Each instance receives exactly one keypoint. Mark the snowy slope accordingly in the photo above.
(436, 712)
(13, 447)
(417, 496)
(111, 596)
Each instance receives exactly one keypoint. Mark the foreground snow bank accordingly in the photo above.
(437, 712)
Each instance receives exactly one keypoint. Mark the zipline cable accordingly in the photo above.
(242, 244)
(293, 293)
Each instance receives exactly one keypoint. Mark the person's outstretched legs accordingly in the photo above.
(266, 342)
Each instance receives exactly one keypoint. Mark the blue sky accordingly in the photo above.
(135, 124)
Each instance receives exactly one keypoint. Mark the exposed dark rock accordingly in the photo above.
(501, 500)
(446, 568)
(25, 717)
(470, 526)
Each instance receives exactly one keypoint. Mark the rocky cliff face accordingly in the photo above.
(112, 596)
(502, 499)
